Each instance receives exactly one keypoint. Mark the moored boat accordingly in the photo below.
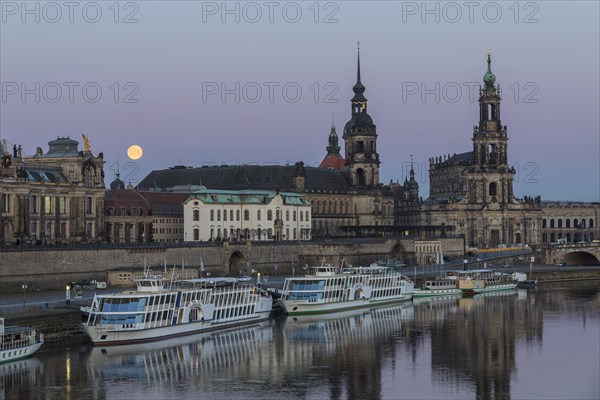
(438, 287)
(483, 280)
(18, 342)
(160, 309)
(328, 289)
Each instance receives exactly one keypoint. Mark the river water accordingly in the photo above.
(541, 343)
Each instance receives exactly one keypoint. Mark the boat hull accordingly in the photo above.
(310, 308)
(436, 292)
(19, 353)
(494, 288)
(109, 335)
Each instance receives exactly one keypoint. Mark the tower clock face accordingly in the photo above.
(491, 125)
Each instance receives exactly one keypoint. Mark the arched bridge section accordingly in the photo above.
(575, 254)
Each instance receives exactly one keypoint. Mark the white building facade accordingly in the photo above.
(240, 215)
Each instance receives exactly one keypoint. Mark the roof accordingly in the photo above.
(212, 196)
(44, 174)
(333, 161)
(240, 177)
(61, 147)
(165, 203)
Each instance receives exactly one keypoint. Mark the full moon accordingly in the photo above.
(134, 152)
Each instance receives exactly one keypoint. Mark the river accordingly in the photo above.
(540, 343)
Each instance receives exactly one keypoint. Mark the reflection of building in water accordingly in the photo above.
(351, 346)
(179, 359)
(16, 374)
(477, 342)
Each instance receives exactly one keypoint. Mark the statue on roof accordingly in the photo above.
(86, 142)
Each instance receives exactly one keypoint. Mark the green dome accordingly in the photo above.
(489, 77)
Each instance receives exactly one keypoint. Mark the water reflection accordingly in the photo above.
(497, 345)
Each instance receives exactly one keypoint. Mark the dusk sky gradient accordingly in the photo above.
(175, 50)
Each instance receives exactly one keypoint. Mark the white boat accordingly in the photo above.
(483, 280)
(329, 289)
(18, 342)
(438, 287)
(161, 309)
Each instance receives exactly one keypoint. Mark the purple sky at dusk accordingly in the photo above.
(162, 78)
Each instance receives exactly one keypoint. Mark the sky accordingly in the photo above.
(208, 83)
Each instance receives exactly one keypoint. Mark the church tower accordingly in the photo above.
(360, 138)
(490, 178)
(333, 159)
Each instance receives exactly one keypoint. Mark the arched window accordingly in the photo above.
(212, 234)
(568, 223)
(196, 234)
(560, 223)
(307, 215)
(294, 214)
(582, 226)
(269, 215)
(492, 191)
(287, 233)
(110, 211)
(212, 215)
(518, 238)
(552, 223)
(231, 216)
(224, 216)
(123, 211)
(568, 237)
(552, 237)
(237, 215)
(301, 216)
(246, 215)
(219, 216)
(360, 177)
(591, 224)
(258, 215)
(278, 214)
(544, 237)
(287, 215)
(196, 215)
(544, 223)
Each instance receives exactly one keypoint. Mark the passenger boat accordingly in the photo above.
(483, 280)
(160, 309)
(438, 287)
(391, 262)
(18, 342)
(327, 289)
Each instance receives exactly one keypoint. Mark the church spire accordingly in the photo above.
(358, 88)
(412, 170)
(489, 78)
(334, 147)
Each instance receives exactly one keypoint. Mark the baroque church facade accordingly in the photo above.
(473, 191)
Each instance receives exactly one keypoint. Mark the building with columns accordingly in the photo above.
(52, 197)
(473, 191)
(570, 222)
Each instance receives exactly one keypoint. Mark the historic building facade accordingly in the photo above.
(237, 215)
(345, 193)
(53, 197)
(128, 217)
(570, 222)
(473, 191)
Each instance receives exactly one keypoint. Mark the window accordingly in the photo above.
(258, 215)
(544, 223)
(212, 215)
(278, 214)
(224, 215)
(48, 204)
(269, 215)
(246, 215)
(287, 215)
(492, 191)
(567, 223)
(294, 214)
(591, 224)
(196, 215)
(218, 215)
(123, 211)
(62, 205)
(552, 223)
(231, 215)
(237, 215)
(560, 223)
(301, 216)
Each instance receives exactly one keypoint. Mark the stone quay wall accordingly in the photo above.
(48, 269)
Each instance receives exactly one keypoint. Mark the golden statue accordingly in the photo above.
(86, 142)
